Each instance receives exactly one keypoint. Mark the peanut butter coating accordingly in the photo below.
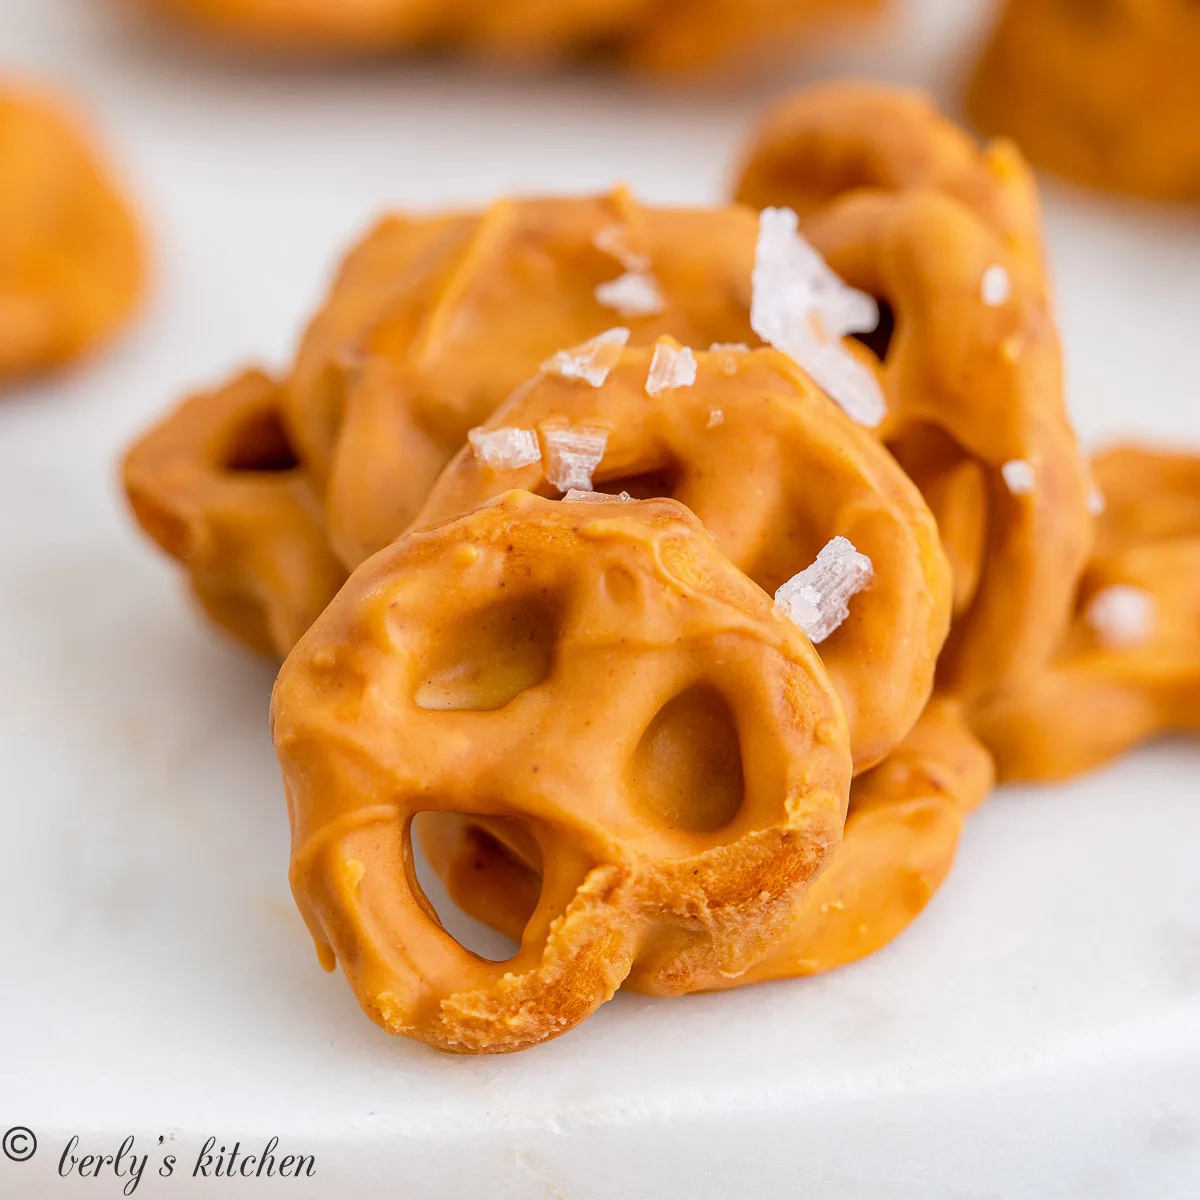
(432, 322)
(71, 259)
(215, 484)
(1107, 690)
(579, 658)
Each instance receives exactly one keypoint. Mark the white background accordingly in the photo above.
(1037, 1033)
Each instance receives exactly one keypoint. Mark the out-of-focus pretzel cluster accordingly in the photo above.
(655, 35)
(565, 477)
(70, 254)
(1105, 93)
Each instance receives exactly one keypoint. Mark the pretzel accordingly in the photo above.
(600, 673)
(432, 323)
(70, 254)
(783, 473)
(900, 840)
(1129, 667)
(216, 486)
(902, 206)
(1105, 94)
(976, 417)
(651, 34)
(827, 140)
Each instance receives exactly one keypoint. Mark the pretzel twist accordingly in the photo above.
(70, 254)
(1106, 94)
(216, 486)
(1110, 688)
(431, 324)
(602, 674)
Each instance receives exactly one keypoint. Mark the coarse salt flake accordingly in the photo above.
(592, 361)
(1121, 615)
(729, 348)
(670, 368)
(801, 307)
(715, 417)
(572, 455)
(818, 598)
(1020, 477)
(506, 448)
(579, 496)
(995, 287)
(633, 294)
(612, 239)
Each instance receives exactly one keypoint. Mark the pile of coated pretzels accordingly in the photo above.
(683, 578)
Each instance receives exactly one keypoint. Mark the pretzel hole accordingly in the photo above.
(260, 443)
(648, 485)
(879, 340)
(491, 884)
(687, 768)
(487, 658)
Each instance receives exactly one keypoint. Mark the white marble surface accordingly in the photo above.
(1036, 1034)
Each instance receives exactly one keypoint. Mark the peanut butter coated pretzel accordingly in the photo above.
(601, 674)
(903, 207)
(70, 255)
(1105, 92)
(432, 323)
(217, 487)
(1129, 667)
(783, 472)
(654, 35)
(824, 141)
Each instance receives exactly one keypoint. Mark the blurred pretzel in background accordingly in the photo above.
(217, 486)
(1129, 667)
(599, 674)
(1107, 94)
(432, 322)
(71, 260)
(655, 35)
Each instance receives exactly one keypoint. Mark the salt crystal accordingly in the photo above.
(580, 496)
(592, 361)
(670, 368)
(1120, 616)
(611, 240)
(995, 287)
(729, 348)
(631, 295)
(572, 455)
(1096, 503)
(505, 449)
(715, 417)
(1019, 476)
(818, 598)
(799, 306)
